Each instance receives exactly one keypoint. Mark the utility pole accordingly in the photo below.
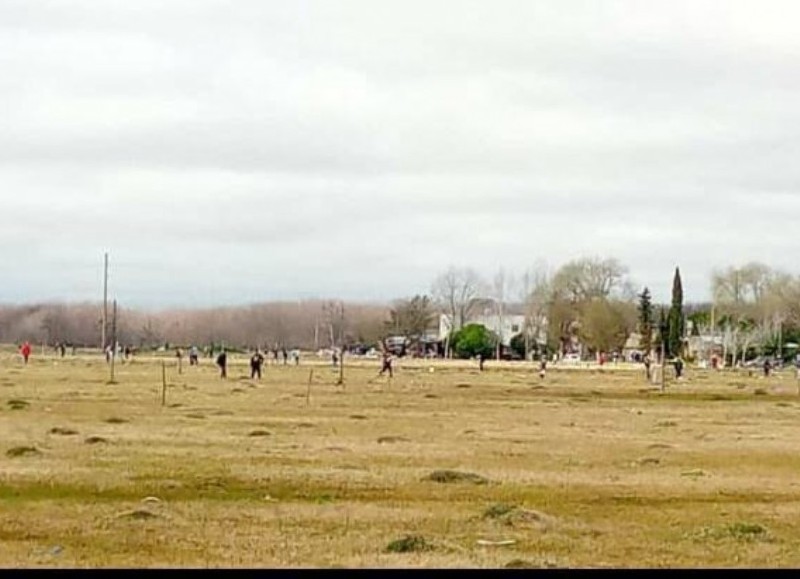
(105, 302)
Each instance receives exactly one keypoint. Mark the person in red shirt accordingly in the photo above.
(25, 350)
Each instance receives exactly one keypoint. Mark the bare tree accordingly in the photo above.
(456, 291)
(411, 318)
(750, 301)
(606, 324)
(502, 285)
(290, 323)
(576, 283)
(55, 325)
(535, 289)
(588, 278)
(333, 314)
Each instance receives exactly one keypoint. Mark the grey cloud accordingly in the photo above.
(241, 152)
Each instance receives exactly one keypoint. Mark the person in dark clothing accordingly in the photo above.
(542, 367)
(285, 355)
(222, 362)
(386, 365)
(678, 364)
(767, 368)
(256, 362)
(481, 360)
(647, 363)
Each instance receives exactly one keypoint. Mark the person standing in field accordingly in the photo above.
(222, 362)
(387, 365)
(285, 356)
(194, 357)
(678, 363)
(646, 361)
(256, 360)
(25, 350)
(543, 366)
(296, 357)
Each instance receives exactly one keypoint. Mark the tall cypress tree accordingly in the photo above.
(646, 321)
(675, 320)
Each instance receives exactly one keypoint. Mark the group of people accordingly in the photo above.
(677, 363)
(126, 351)
(194, 355)
(257, 360)
(25, 350)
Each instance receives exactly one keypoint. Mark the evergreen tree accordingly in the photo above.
(646, 321)
(675, 320)
(663, 332)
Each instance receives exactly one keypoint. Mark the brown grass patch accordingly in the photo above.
(455, 476)
(548, 477)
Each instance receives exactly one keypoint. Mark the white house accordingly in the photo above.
(506, 327)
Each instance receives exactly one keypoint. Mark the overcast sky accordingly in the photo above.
(231, 152)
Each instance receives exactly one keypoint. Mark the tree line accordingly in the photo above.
(590, 302)
(307, 324)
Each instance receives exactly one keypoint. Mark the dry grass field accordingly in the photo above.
(450, 468)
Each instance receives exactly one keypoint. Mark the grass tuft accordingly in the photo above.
(409, 544)
(63, 431)
(455, 476)
(18, 451)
